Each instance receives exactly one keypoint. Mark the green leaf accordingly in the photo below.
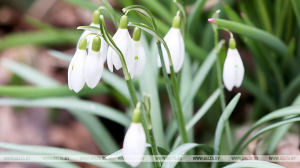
(296, 7)
(195, 15)
(159, 9)
(100, 134)
(196, 84)
(183, 149)
(270, 127)
(280, 113)
(43, 150)
(291, 92)
(119, 153)
(221, 123)
(254, 164)
(259, 94)
(199, 114)
(148, 83)
(58, 91)
(254, 33)
(71, 104)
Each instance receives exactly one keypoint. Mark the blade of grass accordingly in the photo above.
(183, 149)
(106, 143)
(43, 150)
(221, 124)
(194, 15)
(296, 7)
(254, 33)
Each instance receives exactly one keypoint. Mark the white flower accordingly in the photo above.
(123, 42)
(93, 65)
(175, 44)
(139, 59)
(134, 143)
(89, 38)
(76, 79)
(233, 71)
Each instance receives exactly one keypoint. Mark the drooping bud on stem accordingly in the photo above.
(96, 15)
(82, 44)
(137, 34)
(96, 44)
(232, 43)
(136, 115)
(124, 22)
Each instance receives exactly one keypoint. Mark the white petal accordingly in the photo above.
(134, 143)
(133, 69)
(163, 48)
(239, 68)
(174, 45)
(120, 40)
(182, 53)
(109, 59)
(141, 61)
(93, 69)
(103, 49)
(229, 71)
(71, 68)
(77, 76)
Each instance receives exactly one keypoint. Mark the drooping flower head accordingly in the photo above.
(139, 54)
(123, 42)
(233, 70)
(94, 64)
(135, 139)
(175, 44)
(76, 79)
(104, 45)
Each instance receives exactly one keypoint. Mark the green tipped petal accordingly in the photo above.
(136, 115)
(96, 15)
(137, 34)
(82, 44)
(96, 44)
(124, 22)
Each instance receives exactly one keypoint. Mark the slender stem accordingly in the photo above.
(222, 95)
(176, 106)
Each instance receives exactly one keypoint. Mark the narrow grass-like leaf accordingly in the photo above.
(254, 33)
(148, 83)
(280, 113)
(296, 7)
(221, 124)
(199, 114)
(258, 94)
(270, 127)
(43, 150)
(183, 149)
(58, 91)
(196, 84)
(100, 134)
(119, 153)
(159, 9)
(194, 15)
(254, 164)
(71, 104)
(291, 92)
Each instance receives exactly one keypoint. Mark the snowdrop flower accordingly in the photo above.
(93, 64)
(123, 42)
(89, 38)
(233, 71)
(135, 140)
(76, 79)
(139, 54)
(175, 44)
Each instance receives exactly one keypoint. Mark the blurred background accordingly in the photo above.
(30, 29)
